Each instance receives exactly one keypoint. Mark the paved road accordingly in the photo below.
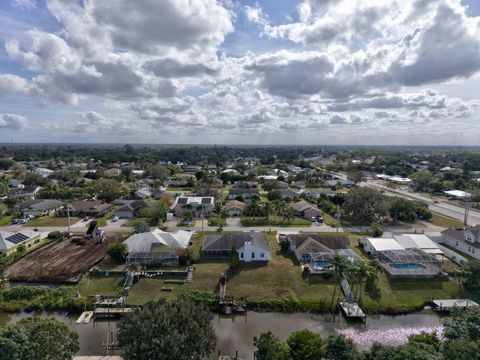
(439, 206)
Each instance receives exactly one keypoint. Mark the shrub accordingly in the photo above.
(54, 235)
(117, 252)
(234, 260)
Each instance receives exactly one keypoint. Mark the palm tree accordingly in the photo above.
(288, 214)
(268, 210)
(340, 266)
(364, 270)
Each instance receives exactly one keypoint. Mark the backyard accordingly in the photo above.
(280, 285)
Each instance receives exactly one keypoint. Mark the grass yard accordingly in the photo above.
(147, 289)
(52, 221)
(102, 221)
(135, 221)
(93, 285)
(443, 221)
(5, 220)
(216, 221)
(280, 278)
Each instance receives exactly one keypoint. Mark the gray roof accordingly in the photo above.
(288, 193)
(333, 242)
(227, 241)
(241, 191)
(40, 204)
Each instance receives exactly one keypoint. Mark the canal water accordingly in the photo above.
(237, 332)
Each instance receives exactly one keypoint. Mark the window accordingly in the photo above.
(253, 255)
(241, 255)
(262, 254)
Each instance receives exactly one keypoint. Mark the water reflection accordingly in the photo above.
(237, 332)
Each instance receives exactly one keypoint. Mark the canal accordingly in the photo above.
(237, 332)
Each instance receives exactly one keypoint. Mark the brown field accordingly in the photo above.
(63, 261)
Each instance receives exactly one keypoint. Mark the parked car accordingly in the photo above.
(29, 217)
(319, 218)
(22, 221)
(15, 221)
(115, 218)
(86, 218)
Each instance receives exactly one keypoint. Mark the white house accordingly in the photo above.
(465, 241)
(251, 246)
(374, 245)
(199, 206)
(9, 241)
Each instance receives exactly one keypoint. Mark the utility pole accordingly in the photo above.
(467, 210)
(68, 215)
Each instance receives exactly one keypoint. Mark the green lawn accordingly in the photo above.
(135, 221)
(440, 220)
(52, 221)
(102, 221)
(5, 220)
(92, 285)
(216, 221)
(280, 280)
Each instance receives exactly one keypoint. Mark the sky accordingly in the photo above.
(310, 72)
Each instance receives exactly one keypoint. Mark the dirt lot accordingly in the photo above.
(62, 261)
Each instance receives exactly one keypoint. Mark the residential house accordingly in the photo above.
(338, 182)
(246, 193)
(251, 246)
(289, 194)
(130, 209)
(419, 241)
(305, 210)
(9, 241)
(39, 207)
(373, 246)
(234, 208)
(466, 241)
(24, 192)
(143, 193)
(86, 208)
(317, 193)
(197, 205)
(157, 246)
(304, 245)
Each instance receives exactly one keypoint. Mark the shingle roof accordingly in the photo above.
(331, 241)
(227, 241)
(40, 204)
(234, 204)
(241, 191)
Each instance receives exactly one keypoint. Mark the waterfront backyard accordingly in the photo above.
(280, 285)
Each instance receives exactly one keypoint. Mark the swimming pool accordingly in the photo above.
(321, 265)
(408, 266)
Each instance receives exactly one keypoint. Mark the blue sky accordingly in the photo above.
(256, 72)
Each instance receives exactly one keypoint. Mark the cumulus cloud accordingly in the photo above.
(12, 121)
(12, 83)
(166, 67)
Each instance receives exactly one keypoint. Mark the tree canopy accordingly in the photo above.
(164, 330)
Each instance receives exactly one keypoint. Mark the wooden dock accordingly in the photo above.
(85, 317)
(112, 312)
(352, 310)
(449, 304)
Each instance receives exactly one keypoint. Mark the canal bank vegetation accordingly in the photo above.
(280, 285)
(461, 342)
(30, 298)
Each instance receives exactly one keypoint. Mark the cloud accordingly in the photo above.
(24, 4)
(170, 68)
(151, 26)
(12, 83)
(12, 121)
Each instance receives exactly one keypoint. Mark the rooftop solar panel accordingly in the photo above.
(17, 238)
(182, 200)
(206, 200)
